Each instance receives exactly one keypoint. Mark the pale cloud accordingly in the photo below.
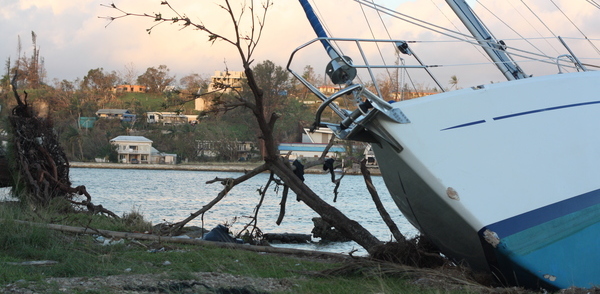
(57, 7)
(73, 39)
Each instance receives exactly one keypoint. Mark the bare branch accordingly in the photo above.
(282, 205)
(160, 19)
(384, 214)
(229, 183)
(321, 159)
(262, 192)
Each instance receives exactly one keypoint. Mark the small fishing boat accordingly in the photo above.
(503, 177)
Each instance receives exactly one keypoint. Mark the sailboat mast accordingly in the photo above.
(495, 49)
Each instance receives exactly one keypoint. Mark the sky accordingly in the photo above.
(73, 36)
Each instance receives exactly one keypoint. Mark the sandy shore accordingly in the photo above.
(196, 167)
(218, 166)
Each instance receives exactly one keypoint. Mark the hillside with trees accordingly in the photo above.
(66, 102)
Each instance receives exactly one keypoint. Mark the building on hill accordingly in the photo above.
(122, 114)
(130, 89)
(226, 80)
(221, 80)
(170, 118)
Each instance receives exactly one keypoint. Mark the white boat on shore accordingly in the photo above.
(503, 176)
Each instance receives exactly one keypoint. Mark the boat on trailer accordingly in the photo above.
(504, 177)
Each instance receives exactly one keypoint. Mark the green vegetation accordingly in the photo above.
(83, 256)
(65, 102)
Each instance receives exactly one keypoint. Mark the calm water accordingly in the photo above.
(172, 195)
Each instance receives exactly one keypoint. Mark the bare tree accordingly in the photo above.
(31, 69)
(129, 74)
(194, 83)
(246, 42)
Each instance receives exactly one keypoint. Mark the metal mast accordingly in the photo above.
(495, 49)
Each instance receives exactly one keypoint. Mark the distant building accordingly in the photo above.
(221, 80)
(170, 118)
(130, 89)
(138, 149)
(226, 80)
(133, 149)
(328, 90)
(240, 150)
(312, 146)
(122, 114)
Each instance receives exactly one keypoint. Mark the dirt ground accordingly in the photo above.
(153, 283)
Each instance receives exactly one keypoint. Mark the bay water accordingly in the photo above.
(172, 195)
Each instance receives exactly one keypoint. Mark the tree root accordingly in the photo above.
(40, 162)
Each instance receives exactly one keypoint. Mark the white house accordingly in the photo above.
(133, 149)
(138, 149)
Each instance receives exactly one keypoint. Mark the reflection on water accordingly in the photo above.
(171, 196)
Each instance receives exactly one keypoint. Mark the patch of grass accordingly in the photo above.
(83, 256)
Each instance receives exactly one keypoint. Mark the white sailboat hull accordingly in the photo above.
(481, 167)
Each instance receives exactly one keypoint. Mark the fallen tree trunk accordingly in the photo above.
(149, 237)
(330, 214)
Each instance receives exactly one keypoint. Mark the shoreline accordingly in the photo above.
(220, 166)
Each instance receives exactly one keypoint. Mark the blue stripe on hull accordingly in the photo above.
(558, 244)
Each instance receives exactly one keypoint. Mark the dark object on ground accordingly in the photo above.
(193, 231)
(287, 238)
(327, 232)
(221, 234)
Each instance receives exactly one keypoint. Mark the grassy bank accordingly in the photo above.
(145, 265)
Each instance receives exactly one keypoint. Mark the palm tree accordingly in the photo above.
(453, 82)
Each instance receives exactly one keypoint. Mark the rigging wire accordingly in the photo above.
(561, 11)
(508, 26)
(477, 47)
(541, 21)
(534, 28)
(457, 35)
(438, 29)
(404, 70)
(593, 2)
(376, 44)
(413, 20)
